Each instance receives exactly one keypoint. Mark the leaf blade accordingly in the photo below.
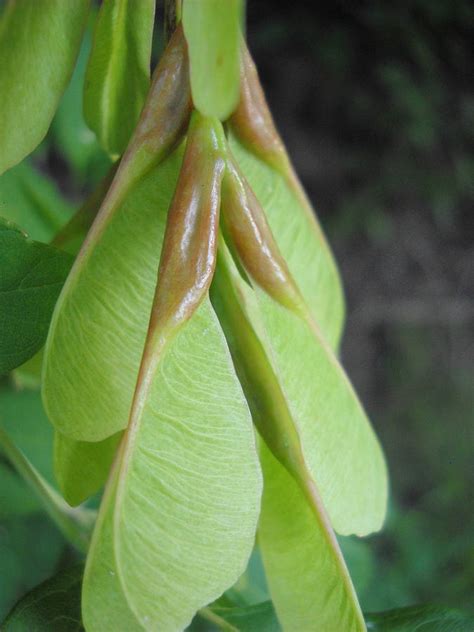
(260, 616)
(32, 275)
(54, 604)
(31, 201)
(23, 418)
(421, 618)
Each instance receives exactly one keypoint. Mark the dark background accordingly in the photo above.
(375, 102)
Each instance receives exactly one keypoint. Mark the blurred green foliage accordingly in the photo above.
(32, 201)
(376, 101)
(426, 551)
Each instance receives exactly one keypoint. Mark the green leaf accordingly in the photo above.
(53, 605)
(30, 550)
(82, 468)
(74, 524)
(300, 240)
(69, 239)
(30, 200)
(28, 375)
(309, 583)
(39, 43)
(213, 31)
(252, 585)
(118, 72)
(421, 619)
(25, 466)
(26, 478)
(31, 278)
(72, 235)
(23, 418)
(259, 617)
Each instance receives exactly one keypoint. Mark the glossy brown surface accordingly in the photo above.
(189, 251)
(167, 108)
(188, 257)
(252, 121)
(251, 237)
(161, 127)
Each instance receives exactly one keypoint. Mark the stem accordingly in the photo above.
(212, 617)
(74, 523)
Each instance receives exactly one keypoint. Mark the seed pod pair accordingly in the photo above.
(136, 347)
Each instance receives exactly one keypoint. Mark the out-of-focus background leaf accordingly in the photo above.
(31, 550)
(53, 605)
(376, 104)
(32, 274)
(22, 417)
(31, 547)
(421, 619)
(32, 201)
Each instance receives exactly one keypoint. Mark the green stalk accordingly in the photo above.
(208, 615)
(74, 523)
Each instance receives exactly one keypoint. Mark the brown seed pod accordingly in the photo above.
(252, 121)
(162, 125)
(250, 235)
(188, 257)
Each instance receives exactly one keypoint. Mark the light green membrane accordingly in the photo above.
(81, 467)
(118, 72)
(310, 587)
(98, 329)
(39, 44)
